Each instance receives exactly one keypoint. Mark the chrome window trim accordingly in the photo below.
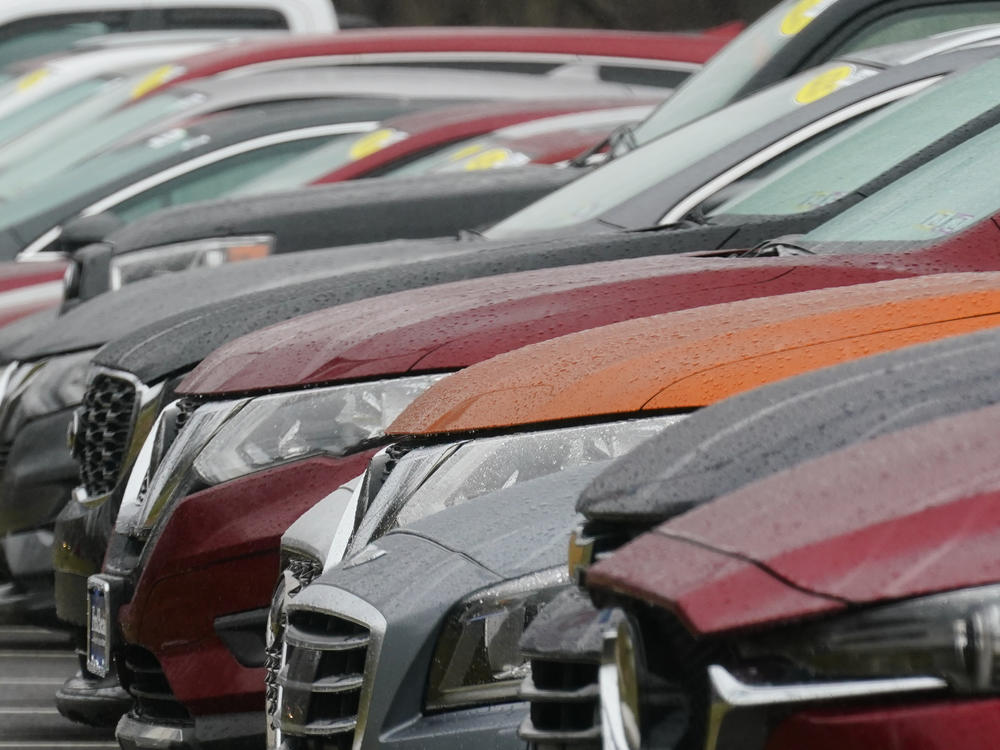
(179, 170)
(699, 196)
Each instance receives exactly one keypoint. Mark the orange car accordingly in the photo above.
(684, 360)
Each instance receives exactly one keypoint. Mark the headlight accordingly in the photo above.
(429, 480)
(223, 441)
(208, 253)
(37, 389)
(477, 659)
(954, 637)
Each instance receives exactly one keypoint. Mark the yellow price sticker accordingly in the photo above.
(466, 151)
(30, 80)
(489, 159)
(824, 84)
(802, 14)
(375, 142)
(155, 79)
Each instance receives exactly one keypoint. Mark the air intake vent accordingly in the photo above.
(104, 428)
(154, 701)
(321, 680)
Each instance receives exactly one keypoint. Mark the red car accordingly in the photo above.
(418, 143)
(666, 59)
(862, 614)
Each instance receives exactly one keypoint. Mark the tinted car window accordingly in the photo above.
(43, 35)
(215, 180)
(227, 18)
(945, 196)
(635, 172)
(865, 150)
(915, 23)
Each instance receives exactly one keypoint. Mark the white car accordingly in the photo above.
(30, 28)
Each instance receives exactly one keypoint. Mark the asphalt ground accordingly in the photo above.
(33, 664)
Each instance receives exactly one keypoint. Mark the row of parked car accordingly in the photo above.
(479, 387)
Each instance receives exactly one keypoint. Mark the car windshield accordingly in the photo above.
(863, 151)
(305, 169)
(100, 170)
(68, 139)
(728, 72)
(619, 180)
(941, 198)
(41, 111)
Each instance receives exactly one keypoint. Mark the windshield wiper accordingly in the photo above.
(622, 136)
(779, 248)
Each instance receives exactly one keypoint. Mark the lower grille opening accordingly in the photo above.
(565, 704)
(146, 682)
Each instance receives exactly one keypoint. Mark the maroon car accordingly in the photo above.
(862, 612)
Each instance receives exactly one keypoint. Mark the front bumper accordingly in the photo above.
(936, 725)
(229, 731)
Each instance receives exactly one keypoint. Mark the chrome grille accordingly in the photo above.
(106, 420)
(321, 679)
(565, 704)
(298, 572)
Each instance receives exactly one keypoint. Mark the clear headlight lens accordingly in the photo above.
(223, 441)
(953, 636)
(37, 389)
(477, 659)
(429, 480)
(208, 253)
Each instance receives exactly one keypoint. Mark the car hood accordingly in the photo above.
(172, 344)
(905, 514)
(688, 359)
(750, 436)
(446, 327)
(111, 316)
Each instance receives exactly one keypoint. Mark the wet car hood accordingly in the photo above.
(694, 357)
(111, 316)
(750, 436)
(175, 342)
(322, 216)
(447, 327)
(905, 514)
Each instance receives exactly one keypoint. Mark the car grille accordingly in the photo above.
(153, 700)
(321, 681)
(299, 572)
(565, 704)
(104, 428)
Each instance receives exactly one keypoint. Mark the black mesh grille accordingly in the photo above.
(153, 700)
(103, 431)
(321, 680)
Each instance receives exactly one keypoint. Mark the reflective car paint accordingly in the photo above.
(690, 358)
(916, 514)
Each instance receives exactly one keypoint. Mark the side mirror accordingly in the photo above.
(88, 275)
(86, 230)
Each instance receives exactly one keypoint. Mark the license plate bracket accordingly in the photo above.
(101, 606)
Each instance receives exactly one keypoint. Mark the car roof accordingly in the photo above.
(685, 360)
(683, 51)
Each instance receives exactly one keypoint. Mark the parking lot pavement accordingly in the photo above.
(33, 664)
